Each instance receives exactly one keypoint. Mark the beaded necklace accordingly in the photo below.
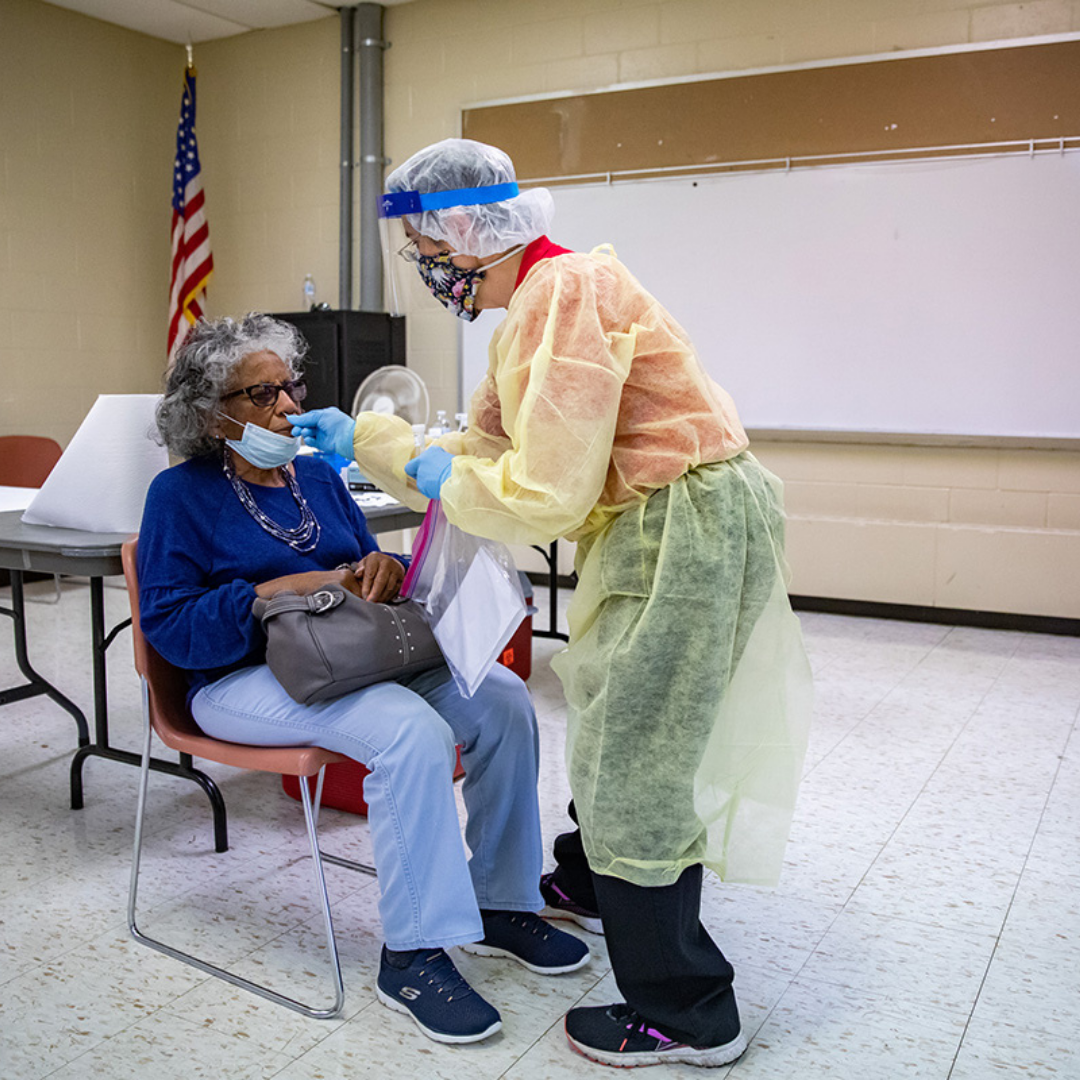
(303, 537)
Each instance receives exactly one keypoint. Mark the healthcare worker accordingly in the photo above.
(687, 685)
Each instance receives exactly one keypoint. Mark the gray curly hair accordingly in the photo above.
(201, 371)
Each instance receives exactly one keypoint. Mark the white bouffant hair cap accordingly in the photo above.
(465, 193)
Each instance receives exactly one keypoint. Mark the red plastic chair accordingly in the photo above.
(165, 711)
(26, 460)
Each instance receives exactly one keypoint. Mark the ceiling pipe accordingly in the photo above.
(345, 204)
(369, 46)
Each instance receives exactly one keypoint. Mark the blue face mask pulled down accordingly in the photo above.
(263, 448)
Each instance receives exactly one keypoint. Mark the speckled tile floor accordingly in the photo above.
(927, 923)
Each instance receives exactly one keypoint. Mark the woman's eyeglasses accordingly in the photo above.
(265, 394)
(411, 253)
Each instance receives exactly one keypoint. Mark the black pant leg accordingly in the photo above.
(572, 874)
(665, 963)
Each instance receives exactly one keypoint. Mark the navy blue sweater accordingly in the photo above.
(201, 554)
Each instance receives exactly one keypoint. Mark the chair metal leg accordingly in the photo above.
(140, 813)
(310, 818)
(44, 599)
(336, 860)
(324, 898)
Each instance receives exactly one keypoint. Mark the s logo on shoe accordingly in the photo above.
(409, 993)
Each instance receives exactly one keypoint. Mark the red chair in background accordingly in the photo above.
(25, 461)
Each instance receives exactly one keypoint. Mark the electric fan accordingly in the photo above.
(393, 390)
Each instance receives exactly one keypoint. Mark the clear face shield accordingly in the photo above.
(405, 288)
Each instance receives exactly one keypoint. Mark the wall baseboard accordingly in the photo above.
(875, 609)
(993, 620)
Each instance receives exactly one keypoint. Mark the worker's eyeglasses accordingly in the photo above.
(411, 253)
(265, 394)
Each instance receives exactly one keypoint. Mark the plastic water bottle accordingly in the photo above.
(309, 293)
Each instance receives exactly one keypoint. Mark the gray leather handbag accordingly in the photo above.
(331, 642)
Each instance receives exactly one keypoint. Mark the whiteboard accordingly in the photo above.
(937, 297)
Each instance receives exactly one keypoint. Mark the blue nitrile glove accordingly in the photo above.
(430, 470)
(329, 430)
(335, 461)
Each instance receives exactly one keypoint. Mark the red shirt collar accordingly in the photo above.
(539, 249)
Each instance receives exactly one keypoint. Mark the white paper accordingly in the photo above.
(99, 484)
(372, 500)
(16, 498)
(479, 621)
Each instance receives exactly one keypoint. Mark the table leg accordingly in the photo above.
(36, 685)
(551, 557)
(99, 643)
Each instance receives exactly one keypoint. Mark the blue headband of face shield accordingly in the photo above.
(398, 203)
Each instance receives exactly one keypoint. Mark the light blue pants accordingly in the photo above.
(405, 733)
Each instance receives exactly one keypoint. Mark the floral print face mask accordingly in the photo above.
(453, 287)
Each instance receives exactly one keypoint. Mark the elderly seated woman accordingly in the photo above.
(241, 518)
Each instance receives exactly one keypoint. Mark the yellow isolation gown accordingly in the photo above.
(687, 684)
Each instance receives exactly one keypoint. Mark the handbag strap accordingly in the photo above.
(314, 603)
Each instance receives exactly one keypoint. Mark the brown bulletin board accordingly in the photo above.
(887, 106)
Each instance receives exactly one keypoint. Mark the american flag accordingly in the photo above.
(192, 263)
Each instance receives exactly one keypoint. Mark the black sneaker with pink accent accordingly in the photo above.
(561, 906)
(617, 1035)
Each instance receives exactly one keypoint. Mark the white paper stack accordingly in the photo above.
(99, 484)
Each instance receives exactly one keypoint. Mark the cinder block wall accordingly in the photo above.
(88, 117)
(977, 529)
(991, 530)
(269, 140)
(87, 121)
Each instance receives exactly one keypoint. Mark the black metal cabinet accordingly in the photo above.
(345, 348)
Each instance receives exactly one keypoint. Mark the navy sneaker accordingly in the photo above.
(431, 990)
(617, 1035)
(533, 943)
(560, 906)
